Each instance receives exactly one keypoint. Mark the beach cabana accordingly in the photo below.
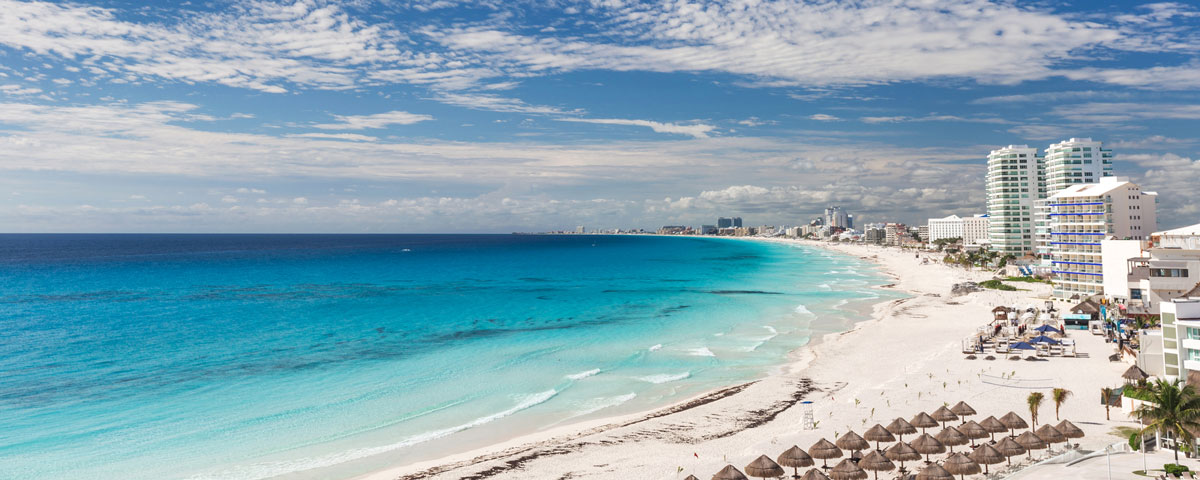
(814, 474)
(878, 434)
(951, 437)
(973, 431)
(1135, 374)
(900, 427)
(961, 465)
(934, 471)
(1013, 422)
(852, 441)
(928, 445)
(1044, 339)
(764, 467)
(847, 470)
(729, 473)
(922, 421)
(963, 410)
(1031, 442)
(986, 455)
(1050, 435)
(795, 458)
(902, 452)
(943, 414)
(1069, 429)
(1009, 448)
(824, 450)
(993, 426)
(876, 462)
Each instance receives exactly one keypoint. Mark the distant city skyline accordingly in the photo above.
(486, 116)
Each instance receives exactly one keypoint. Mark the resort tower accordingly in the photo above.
(1015, 182)
(1069, 162)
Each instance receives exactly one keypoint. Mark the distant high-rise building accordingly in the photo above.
(724, 222)
(835, 217)
(1015, 182)
(737, 222)
(1069, 162)
(580, 229)
(850, 222)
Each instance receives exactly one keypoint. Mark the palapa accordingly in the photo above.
(764, 467)
(876, 462)
(690, 477)
(729, 473)
(1013, 422)
(900, 427)
(1069, 429)
(852, 441)
(1031, 442)
(922, 421)
(1009, 448)
(814, 474)
(824, 450)
(974, 431)
(943, 414)
(878, 434)
(1134, 373)
(961, 465)
(927, 445)
(950, 437)
(901, 452)
(1049, 434)
(993, 426)
(934, 471)
(795, 457)
(986, 455)
(847, 470)
(963, 410)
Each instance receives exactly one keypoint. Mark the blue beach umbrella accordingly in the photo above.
(1044, 339)
(1048, 329)
(1022, 346)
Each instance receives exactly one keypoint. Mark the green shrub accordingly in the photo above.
(1133, 441)
(1026, 279)
(1175, 470)
(997, 285)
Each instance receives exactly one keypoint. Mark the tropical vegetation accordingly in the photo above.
(1060, 396)
(1172, 409)
(1035, 401)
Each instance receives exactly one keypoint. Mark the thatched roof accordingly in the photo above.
(1049, 434)
(959, 464)
(794, 457)
(1001, 308)
(690, 477)
(876, 462)
(729, 473)
(951, 436)
(927, 444)
(1031, 441)
(1009, 447)
(1069, 429)
(814, 474)
(852, 441)
(902, 452)
(993, 425)
(1013, 421)
(901, 426)
(923, 420)
(1086, 306)
(1134, 373)
(943, 414)
(934, 471)
(824, 449)
(879, 434)
(847, 470)
(962, 409)
(764, 467)
(986, 455)
(973, 430)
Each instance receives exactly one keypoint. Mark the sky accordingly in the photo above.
(396, 116)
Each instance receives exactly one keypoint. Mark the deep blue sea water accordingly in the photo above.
(325, 356)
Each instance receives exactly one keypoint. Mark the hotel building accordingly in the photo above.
(1015, 182)
(1181, 338)
(1069, 162)
(1168, 269)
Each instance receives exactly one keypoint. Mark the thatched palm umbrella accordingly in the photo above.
(902, 452)
(852, 441)
(1050, 435)
(961, 465)
(963, 410)
(922, 421)
(690, 477)
(847, 470)
(814, 474)
(1069, 429)
(1013, 421)
(943, 414)
(878, 434)
(1009, 448)
(795, 457)
(927, 445)
(934, 471)
(973, 431)
(900, 427)
(993, 426)
(950, 437)
(824, 450)
(764, 467)
(876, 462)
(729, 473)
(1135, 374)
(1031, 442)
(986, 455)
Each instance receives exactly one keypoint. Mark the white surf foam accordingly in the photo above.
(665, 377)
(803, 310)
(825, 286)
(701, 352)
(656, 347)
(602, 403)
(580, 375)
(771, 329)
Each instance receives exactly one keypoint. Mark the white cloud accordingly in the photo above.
(378, 120)
(496, 103)
(934, 118)
(256, 191)
(354, 137)
(1048, 97)
(17, 90)
(697, 130)
(823, 117)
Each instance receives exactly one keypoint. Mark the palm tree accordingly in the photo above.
(1034, 401)
(1060, 396)
(1173, 409)
(1107, 393)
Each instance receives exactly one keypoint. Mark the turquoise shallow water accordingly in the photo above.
(318, 356)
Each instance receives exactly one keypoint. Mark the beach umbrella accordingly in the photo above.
(824, 450)
(950, 437)
(1050, 434)
(927, 445)
(1134, 373)
(900, 427)
(1013, 421)
(934, 471)
(943, 414)
(961, 465)
(986, 455)
(973, 431)
(878, 434)
(876, 462)
(764, 467)
(1009, 448)
(902, 452)
(729, 473)
(962, 410)
(1069, 429)
(1031, 442)
(690, 477)
(814, 474)
(922, 421)
(993, 426)
(795, 457)
(851, 441)
(1048, 329)
(847, 470)
(1044, 339)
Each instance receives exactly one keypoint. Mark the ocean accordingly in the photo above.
(329, 356)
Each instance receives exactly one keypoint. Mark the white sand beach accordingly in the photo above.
(906, 359)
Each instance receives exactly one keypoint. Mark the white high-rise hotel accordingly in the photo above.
(1070, 162)
(1015, 182)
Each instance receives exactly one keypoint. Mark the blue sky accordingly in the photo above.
(497, 116)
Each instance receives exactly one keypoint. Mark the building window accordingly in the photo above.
(1169, 272)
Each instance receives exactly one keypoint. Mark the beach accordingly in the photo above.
(906, 358)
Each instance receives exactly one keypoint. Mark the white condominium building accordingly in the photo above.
(1015, 182)
(1181, 338)
(1081, 216)
(1069, 162)
(971, 229)
(1169, 269)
